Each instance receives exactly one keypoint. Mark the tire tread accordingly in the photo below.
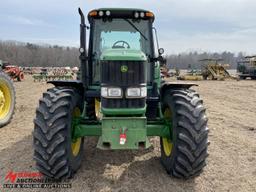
(50, 133)
(190, 149)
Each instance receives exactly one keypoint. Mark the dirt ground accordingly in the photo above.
(231, 108)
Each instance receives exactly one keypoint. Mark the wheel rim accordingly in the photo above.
(167, 143)
(75, 145)
(5, 100)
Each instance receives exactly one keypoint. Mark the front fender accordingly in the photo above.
(175, 85)
(70, 83)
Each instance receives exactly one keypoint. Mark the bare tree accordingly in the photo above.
(28, 54)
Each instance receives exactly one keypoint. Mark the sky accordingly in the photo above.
(183, 25)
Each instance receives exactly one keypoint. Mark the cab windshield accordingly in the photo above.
(122, 34)
(127, 34)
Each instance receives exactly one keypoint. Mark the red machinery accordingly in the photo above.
(14, 72)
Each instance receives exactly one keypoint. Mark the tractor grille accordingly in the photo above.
(122, 103)
(111, 75)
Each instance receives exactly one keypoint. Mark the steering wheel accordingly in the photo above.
(123, 43)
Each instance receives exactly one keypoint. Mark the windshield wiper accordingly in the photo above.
(128, 21)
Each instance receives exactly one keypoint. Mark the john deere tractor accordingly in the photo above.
(7, 98)
(121, 99)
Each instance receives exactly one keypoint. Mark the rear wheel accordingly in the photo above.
(57, 155)
(21, 76)
(7, 99)
(184, 153)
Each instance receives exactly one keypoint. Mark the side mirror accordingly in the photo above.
(160, 51)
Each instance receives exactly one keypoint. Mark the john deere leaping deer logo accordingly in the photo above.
(124, 68)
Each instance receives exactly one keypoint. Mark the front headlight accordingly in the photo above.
(136, 92)
(111, 92)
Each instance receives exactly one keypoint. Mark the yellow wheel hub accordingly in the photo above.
(5, 100)
(97, 109)
(75, 145)
(2, 99)
(167, 144)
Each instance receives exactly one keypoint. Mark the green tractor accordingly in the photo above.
(120, 98)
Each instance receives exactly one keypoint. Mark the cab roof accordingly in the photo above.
(120, 9)
(121, 13)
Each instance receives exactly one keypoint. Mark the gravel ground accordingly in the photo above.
(231, 165)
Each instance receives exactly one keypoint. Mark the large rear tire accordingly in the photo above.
(56, 154)
(7, 99)
(184, 154)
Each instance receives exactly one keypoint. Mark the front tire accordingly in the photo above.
(56, 154)
(184, 154)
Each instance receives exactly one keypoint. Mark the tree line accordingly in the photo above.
(192, 59)
(33, 55)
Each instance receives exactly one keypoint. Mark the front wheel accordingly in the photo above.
(56, 153)
(184, 152)
(7, 99)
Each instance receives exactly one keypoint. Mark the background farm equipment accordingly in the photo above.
(212, 69)
(40, 76)
(28, 70)
(7, 98)
(47, 74)
(13, 71)
(247, 67)
(164, 71)
(191, 75)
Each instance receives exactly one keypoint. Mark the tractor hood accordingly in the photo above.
(123, 55)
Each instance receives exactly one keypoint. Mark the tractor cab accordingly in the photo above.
(121, 36)
(121, 61)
